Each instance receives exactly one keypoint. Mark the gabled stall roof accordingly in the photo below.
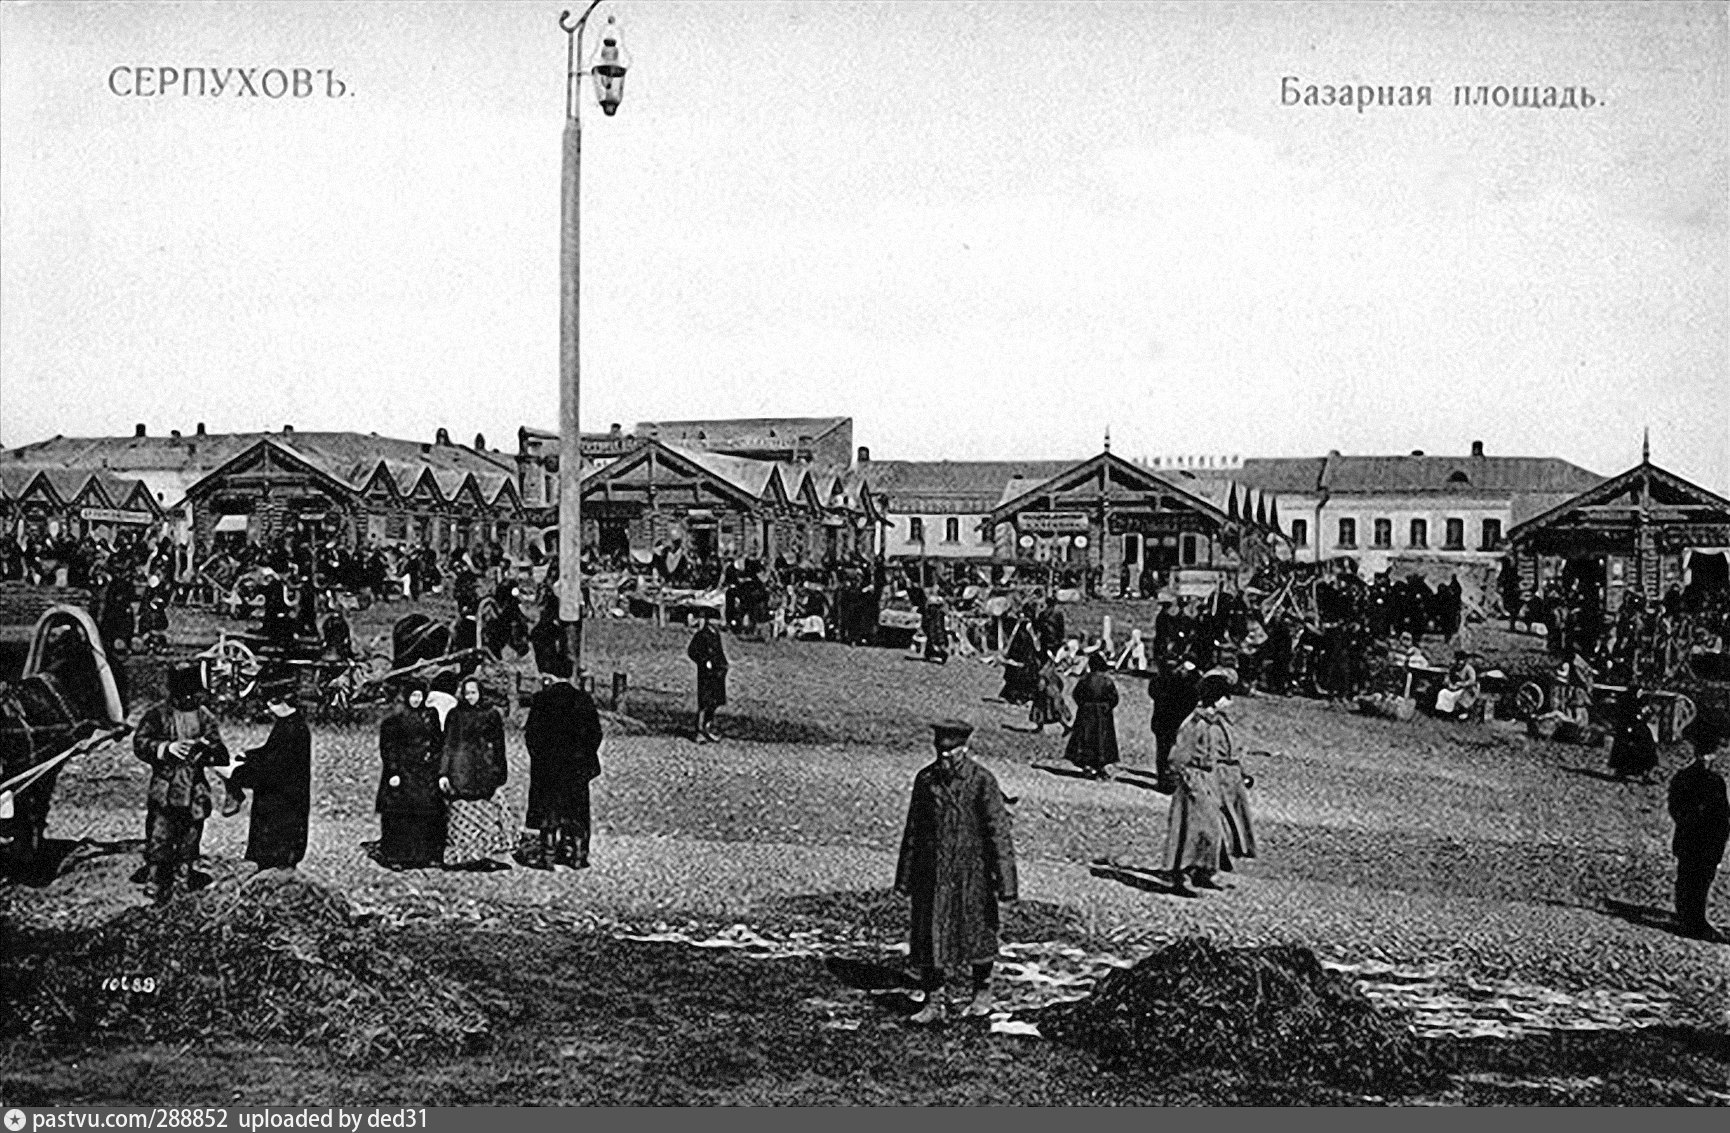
(1116, 469)
(1670, 500)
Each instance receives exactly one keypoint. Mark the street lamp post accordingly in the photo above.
(608, 70)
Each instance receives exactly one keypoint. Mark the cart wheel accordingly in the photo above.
(234, 654)
(1528, 700)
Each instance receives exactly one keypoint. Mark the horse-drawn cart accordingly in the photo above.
(58, 699)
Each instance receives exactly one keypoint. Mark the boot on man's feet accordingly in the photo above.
(934, 1011)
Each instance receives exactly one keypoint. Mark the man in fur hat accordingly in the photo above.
(178, 738)
(957, 862)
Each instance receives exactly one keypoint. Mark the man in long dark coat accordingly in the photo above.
(1173, 692)
(178, 738)
(711, 661)
(563, 736)
(1700, 808)
(279, 775)
(934, 621)
(1049, 626)
(957, 862)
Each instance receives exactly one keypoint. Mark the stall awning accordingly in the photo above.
(229, 523)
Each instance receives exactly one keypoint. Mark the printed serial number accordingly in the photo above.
(145, 985)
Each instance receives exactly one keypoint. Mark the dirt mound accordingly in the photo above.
(1273, 1013)
(276, 957)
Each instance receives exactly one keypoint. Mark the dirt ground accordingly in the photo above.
(1499, 888)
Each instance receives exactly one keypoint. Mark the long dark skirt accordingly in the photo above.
(411, 839)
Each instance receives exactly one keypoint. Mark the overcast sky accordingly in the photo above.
(982, 231)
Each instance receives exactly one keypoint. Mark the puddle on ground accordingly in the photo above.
(1442, 1001)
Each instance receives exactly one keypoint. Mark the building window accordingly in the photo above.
(915, 530)
(1132, 550)
(1348, 532)
(1384, 532)
(987, 532)
(952, 531)
(1456, 534)
(1492, 535)
(1190, 551)
(1300, 532)
(1420, 533)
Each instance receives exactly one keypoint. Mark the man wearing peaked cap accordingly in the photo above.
(948, 735)
(957, 862)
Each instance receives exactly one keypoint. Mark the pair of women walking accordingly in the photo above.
(1209, 821)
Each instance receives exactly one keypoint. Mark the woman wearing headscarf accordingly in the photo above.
(1093, 741)
(1192, 833)
(470, 774)
(1237, 830)
(411, 810)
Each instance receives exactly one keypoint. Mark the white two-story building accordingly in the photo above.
(1376, 509)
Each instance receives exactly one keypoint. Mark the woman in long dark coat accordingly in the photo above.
(1633, 751)
(1021, 665)
(471, 771)
(279, 775)
(711, 661)
(1093, 740)
(411, 811)
(934, 621)
(563, 735)
(1048, 706)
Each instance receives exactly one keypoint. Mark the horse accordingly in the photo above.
(501, 621)
(64, 692)
(417, 637)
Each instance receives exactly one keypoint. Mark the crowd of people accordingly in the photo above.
(1641, 640)
(442, 766)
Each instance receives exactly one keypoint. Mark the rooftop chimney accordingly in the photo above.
(288, 430)
(864, 455)
(480, 442)
(174, 433)
(615, 431)
(201, 428)
(138, 429)
(443, 437)
(1477, 448)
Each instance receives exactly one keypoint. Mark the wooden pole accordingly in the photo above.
(570, 294)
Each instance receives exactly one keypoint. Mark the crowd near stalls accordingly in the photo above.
(53, 521)
(1631, 575)
(219, 491)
